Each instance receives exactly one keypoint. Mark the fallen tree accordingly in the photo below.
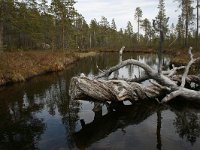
(163, 87)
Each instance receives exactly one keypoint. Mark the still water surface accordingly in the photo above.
(39, 114)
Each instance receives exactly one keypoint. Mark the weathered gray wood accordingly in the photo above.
(192, 60)
(164, 85)
(183, 92)
(83, 88)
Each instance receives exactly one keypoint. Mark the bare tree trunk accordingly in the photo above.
(186, 34)
(63, 33)
(138, 30)
(160, 47)
(197, 34)
(1, 36)
(160, 52)
(90, 40)
(186, 25)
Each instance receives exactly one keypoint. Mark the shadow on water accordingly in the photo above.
(39, 114)
(186, 123)
(121, 117)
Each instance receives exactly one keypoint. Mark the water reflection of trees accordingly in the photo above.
(188, 126)
(19, 127)
(56, 98)
(187, 121)
(122, 117)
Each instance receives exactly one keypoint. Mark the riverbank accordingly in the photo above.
(178, 57)
(116, 50)
(181, 57)
(22, 66)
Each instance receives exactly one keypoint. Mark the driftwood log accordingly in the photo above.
(163, 86)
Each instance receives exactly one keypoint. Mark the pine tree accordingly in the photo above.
(138, 16)
(146, 25)
(197, 30)
(7, 12)
(113, 25)
(93, 30)
(187, 15)
(63, 11)
(129, 29)
(2, 3)
(180, 29)
(113, 34)
(161, 18)
(161, 26)
(128, 35)
(104, 25)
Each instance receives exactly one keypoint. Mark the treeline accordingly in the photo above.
(37, 24)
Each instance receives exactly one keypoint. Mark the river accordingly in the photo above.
(39, 114)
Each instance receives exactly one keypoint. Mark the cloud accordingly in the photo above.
(123, 10)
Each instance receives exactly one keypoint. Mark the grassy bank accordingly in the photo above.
(21, 66)
(138, 50)
(181, 57)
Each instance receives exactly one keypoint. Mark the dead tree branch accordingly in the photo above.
(181, 91)
(165, 84)
(192, 60)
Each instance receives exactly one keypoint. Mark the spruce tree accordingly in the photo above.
(138, 16)
(187, 15)
(161, 18)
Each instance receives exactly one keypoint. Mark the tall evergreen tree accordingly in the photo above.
(113, 25)
(180, 29)
(138, 16)
(6, 15)
(161, 18)
(93, 31)
(146, 25)
(129, 35)
(162, 28)
(104, 25)
(197, 32)
(129, 29)
(2, 3)
(113, 34)
(64, 11)
(187, 15)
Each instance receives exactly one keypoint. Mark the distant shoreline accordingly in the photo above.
(21, 66)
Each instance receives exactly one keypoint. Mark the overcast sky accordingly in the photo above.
(123, 10)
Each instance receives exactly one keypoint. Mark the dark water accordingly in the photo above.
(40, 115)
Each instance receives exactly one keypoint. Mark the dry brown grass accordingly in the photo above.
(182, 57)
(19, 66)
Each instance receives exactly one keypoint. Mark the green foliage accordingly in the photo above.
(36, 24)
(138, 16)
(188, 16)
(161, 17)
(148, 31)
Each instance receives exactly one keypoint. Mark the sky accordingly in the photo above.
(123, 10)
